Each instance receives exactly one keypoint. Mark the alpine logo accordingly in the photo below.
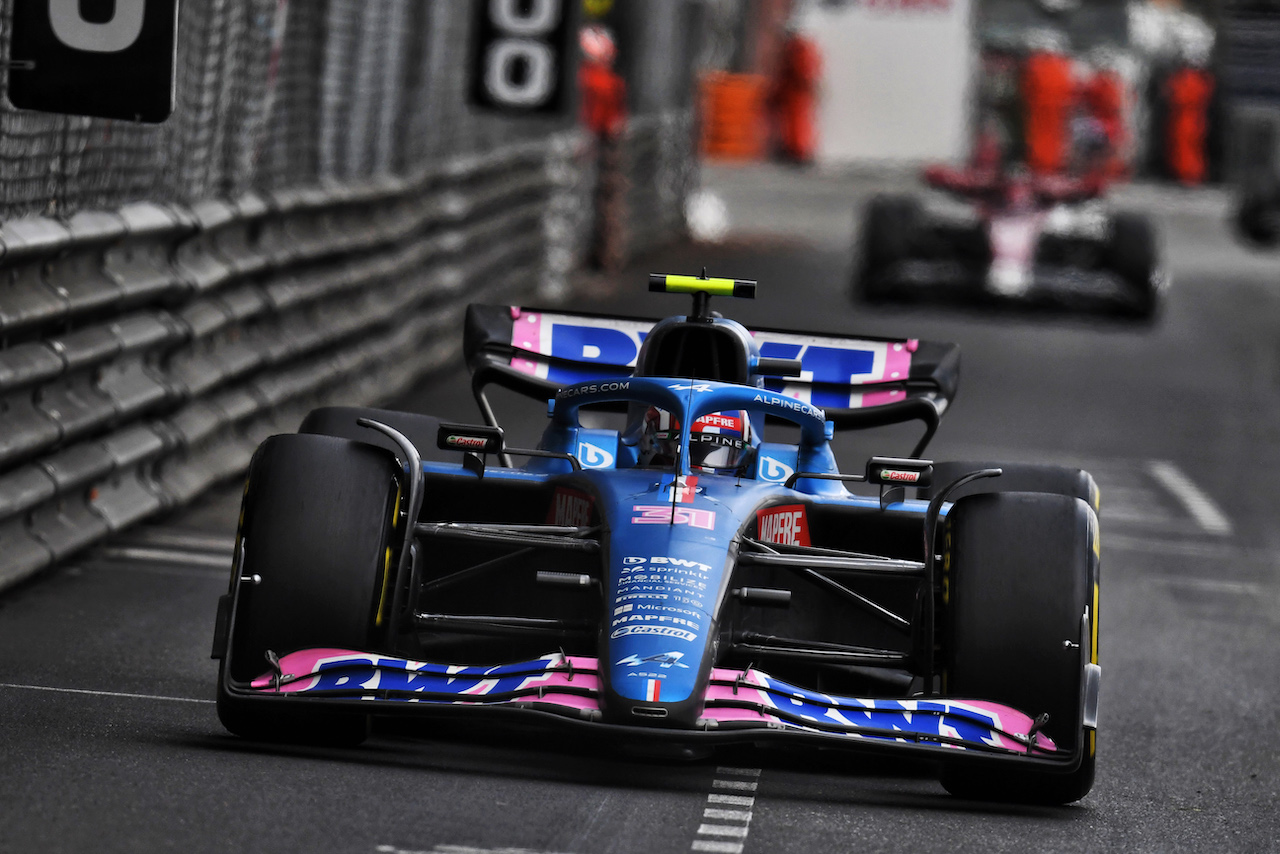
(570, 507)
(665, 514)
(665, 660)
(785, 525)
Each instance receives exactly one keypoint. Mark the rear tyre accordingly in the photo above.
(1019, 579)
(888, 233)
(1132, 253)
(317, 525)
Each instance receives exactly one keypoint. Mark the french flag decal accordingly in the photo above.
(653, 690)
(686, 487)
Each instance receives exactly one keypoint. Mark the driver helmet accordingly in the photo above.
(597, 44)
(718, 443)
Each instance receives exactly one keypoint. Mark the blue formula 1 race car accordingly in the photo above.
(680, 579)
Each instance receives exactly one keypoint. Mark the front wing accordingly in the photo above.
(1048, 286)
(740, 706)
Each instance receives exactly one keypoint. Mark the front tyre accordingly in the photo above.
(1016, 477)
(889, 232)
(317, 526)
(1019, 615)
(1131, 251)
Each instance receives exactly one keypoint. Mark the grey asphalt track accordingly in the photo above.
(110, 741)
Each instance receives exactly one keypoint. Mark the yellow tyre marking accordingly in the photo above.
(1093, 643)
(386, 563)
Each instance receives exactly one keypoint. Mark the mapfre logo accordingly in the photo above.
(570, 507)
(785, 525)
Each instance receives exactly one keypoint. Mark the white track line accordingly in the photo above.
(728, 833)
(103, 693)
(1214, 585)
(1199, 505)
(174, 571)
(717, 846)
(440, 848)
(189, 541)
(155, 555)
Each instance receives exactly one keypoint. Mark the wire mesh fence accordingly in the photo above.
(305, 229)
(274, 94)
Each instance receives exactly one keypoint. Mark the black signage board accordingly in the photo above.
(108, 58)
(521, 55)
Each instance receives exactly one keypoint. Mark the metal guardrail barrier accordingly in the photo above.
(147, 350)
(303, 230)
(660, 166)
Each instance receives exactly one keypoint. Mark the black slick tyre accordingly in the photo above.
(1257, 218)
(341, 421)
(1132, 254)
(1018, 627)
(888, 234)
(317, 526)
(1016, 477)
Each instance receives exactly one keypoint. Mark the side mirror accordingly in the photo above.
(770, 367)
(894, 474)
(472, 438)
(899, 471)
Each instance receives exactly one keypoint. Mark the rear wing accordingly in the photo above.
(860, 382)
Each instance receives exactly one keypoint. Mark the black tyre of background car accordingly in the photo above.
(888, 233)
(1257, 218)
(1016, 477)
(1131, 252)
(1020, 571)
(317, 526)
